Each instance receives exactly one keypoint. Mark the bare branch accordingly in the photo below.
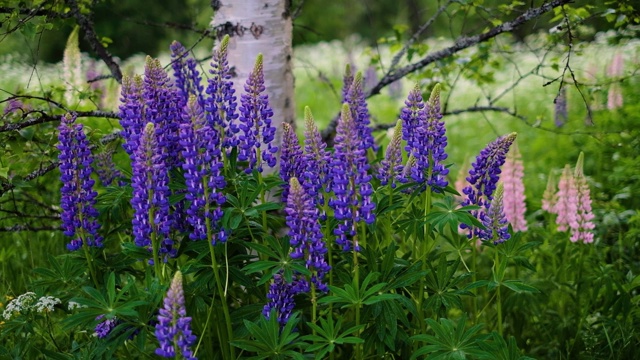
(86, 24)
(40, 11)
(43, 117)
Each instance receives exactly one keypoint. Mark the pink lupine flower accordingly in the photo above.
(550, 198)
(615, 70)
(567, 205)
(582, 224)
(514, 198)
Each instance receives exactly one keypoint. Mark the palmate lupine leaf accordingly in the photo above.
(352, 296)
(328, 335)
(270, 341)
(451, 340)
(442, 284)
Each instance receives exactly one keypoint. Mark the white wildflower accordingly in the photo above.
(22, 303)
(74, 305)
(46, 303)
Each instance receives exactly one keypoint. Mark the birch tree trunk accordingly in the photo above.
(260, 26)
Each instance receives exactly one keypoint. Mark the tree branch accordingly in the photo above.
(23, 227)
(86, 24)
(45, 118)
(34, 12)
(465, 42)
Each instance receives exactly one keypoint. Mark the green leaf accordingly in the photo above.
(519, 286)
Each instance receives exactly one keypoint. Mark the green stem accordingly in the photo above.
(356, 275)
(225, 306)
(474, 256)
(92, 270)
(498, 294)
(423, 256)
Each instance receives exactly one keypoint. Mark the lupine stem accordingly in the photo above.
(498, 295)
(225, 307)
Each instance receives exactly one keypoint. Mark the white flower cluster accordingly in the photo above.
(21, 303)
(46, 303)
(74, 305)
(27, 302)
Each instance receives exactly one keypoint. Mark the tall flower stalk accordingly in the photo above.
(483, 179)
(291, 159)
(173, 329)
(514, 197)
(78, 199)
(256, 140)
(360, 112)
(391, 166)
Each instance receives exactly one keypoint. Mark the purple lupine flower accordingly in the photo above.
(424, 131)
(347, 80)
(105, 168)
(186, 75)
(350, 182)
(103, 329)
(221, 106)
(316, 159)
(203, 174)
(560, 114)
(161, 101)
(391, 166)
(483, 177)
(291, 159)
(370, 78)
(131, 113)
(495, 221)
(305, 233)
(78, 199)
(255, 118)
(360, 113)
(173, 329)
(150, 201)
(280, 298)
(14, 104)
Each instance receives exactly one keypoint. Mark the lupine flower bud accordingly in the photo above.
(316, 160)
(280, 298)
(495, 221)
(483, 177)
(360, 113)
(106, 169)
(78, 198)
(566, 207)
(72, 68)
(514, 198)
(291, 158)
(255, 118)
(582, 225)
(221, 106)
(549, 198)
(305, 233)
(173, 330)
(391, 167)
(350, 182)
(202, 167)
(347, 80)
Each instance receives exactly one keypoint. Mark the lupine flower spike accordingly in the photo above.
(291, 161)
(391, 166)
(131, 113)
(514, 198)
(256, 140)
(582, 226)
(78, 199)
(347, 80)
(173, 330)
(280, 299)
(203, 175)
(566, 206)
(360, 112)
(615, 70)
(221, 106)
(316, 160)
(495, 221)
(549, 198)
(483, 178)
(305, 233)
(350, 182)
(150, 202)
(186, 75)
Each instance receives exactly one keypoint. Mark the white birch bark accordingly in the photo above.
(261, 26)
